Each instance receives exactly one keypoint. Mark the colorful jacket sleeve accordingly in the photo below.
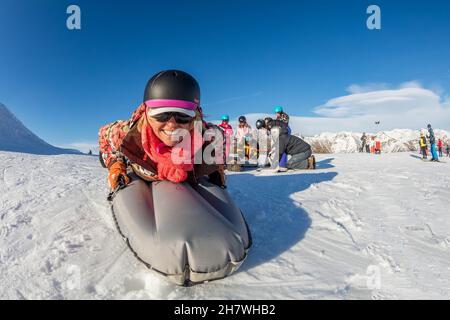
(110, 139)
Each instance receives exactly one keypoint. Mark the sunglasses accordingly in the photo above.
(179, 117)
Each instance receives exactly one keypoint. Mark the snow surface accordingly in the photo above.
(360, 227)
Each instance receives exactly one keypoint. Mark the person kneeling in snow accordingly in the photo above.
(299, 152)
(144, 144)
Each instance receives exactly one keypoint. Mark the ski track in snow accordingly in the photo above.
(359, 227)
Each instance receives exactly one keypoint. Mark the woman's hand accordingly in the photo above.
(117, 170)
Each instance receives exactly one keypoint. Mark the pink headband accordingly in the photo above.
(161, 103)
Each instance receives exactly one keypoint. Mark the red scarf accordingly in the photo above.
(161, 155)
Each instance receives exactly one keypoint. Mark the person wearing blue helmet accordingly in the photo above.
(228, 133)
(283, 117)
(225, 124)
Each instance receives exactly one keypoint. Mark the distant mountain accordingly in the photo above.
(14, 136)
(398, 140)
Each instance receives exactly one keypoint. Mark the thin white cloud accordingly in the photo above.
(378, 102)
(411, 84)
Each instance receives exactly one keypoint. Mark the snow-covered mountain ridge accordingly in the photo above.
(398, 140)
(14, 136)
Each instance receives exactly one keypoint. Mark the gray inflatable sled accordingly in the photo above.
(188, 234)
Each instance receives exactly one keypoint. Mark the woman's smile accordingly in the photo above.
(169, 132)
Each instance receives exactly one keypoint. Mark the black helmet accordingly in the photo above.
(173, 85)
(242, 119)
(429, 126)
(260, 124)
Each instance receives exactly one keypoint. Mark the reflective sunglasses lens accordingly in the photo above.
(179, 117)
(182, 118)
(162, 117)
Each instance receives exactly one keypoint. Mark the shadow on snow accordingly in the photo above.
(324, 164)
(276, 221)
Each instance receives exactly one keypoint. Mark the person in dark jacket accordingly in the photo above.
(363, 142)
(280, 115)
(299, 152)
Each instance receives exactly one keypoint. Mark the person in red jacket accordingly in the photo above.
(377, 146)
(144, 146)
(440, 145)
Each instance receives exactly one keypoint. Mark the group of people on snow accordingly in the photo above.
(370, 144)
(436, 148)
(270, 144)
(170, 115)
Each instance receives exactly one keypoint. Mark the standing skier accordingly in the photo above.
(423, 146)
(432, 139)
(363, 142)
(448, 149)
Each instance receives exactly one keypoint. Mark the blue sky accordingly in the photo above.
(247, 55)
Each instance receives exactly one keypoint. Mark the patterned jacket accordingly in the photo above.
(121, 141)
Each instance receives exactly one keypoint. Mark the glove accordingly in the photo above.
(167, 171)
(118, 169)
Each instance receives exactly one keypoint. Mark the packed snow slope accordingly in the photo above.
(360, 227)
(14, 136)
